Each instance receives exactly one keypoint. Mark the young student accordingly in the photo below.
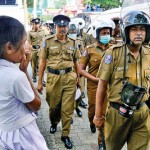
(18, 98)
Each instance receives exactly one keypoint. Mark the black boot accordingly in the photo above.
(82, 104)
(67, 142)
(53, 128)
(93, 128)
(79, 112)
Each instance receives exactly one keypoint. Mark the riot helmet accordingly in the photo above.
(102, 24)
(134, 18)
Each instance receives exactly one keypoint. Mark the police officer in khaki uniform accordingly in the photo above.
(72, 32)
(92, 57)
(60, 55)
(125, 70)
(35, 38)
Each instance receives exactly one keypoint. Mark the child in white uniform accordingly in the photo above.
(18, 98)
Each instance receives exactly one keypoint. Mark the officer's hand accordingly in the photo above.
(40, 88)
(99, 122)
(78, 83)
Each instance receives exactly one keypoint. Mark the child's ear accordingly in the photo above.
(9, 48)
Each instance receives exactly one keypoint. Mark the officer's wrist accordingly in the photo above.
(99, 118)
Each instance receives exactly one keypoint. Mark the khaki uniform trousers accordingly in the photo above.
(134, 130)
(60, 96)
(82, 84)
(91, 92)
(34, 62)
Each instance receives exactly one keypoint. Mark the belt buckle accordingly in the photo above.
(62, 72)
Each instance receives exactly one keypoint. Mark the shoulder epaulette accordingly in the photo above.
(49, 37)
(90, 46)
(71, 38)
(78, 39)
(116, 46)
(147, 46)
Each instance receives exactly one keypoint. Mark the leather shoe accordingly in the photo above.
(82, 104)
(34, 79)
(44, 83)
(101, 147)
(53, 128)
(67, 142)
(79, 112)
(82, 95)
(71, 121)
(93, 128)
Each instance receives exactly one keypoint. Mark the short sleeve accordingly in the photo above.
(21, 89)
(44, 50)
(106, 66)
(84, 58)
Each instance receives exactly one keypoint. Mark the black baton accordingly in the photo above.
(103, 139)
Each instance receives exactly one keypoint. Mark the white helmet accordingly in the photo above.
(100, 24)
(79, 22)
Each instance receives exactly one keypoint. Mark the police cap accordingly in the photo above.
(61, 20)
(36, 20)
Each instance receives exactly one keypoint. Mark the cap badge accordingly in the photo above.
(62, 21)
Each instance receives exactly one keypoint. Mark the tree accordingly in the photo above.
(105, 4)
(60, 3)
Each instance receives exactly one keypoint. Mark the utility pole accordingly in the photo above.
(25, 14)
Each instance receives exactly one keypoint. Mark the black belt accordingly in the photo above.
(59, 72)
(118, 105)
(36, 46)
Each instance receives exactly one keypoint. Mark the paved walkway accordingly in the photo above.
(80, 133)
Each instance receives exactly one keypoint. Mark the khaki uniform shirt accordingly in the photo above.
(60, 55)
(92, 56)
(36, 37)
(112, 66)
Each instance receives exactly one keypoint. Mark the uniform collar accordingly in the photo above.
(6, 63)
(144, 50)
(101, 47)
(56, 39)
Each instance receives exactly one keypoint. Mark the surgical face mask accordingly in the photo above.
(104, 39)
(74, 36)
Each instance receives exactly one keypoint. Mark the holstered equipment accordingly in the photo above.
(131, 95)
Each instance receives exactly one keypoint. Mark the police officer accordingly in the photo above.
(72, 32)
(60, 55)
(35, 38)
(125, 70)
(92, 57)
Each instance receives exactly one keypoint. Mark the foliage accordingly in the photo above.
(105, 4)
(60, 3)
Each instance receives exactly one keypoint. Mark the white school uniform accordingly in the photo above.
(18, 129)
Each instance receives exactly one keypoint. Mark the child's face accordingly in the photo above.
(18, 55)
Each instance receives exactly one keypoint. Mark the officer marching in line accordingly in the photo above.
(80, 24)
(72, 33)
(60, 55)
(125, 74)
(35, 39)
(91, 57)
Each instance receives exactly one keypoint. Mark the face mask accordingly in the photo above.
(104, 39)
(74, 36)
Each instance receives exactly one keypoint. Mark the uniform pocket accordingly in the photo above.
(68, 55)
(54, 52)
(147, 74)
